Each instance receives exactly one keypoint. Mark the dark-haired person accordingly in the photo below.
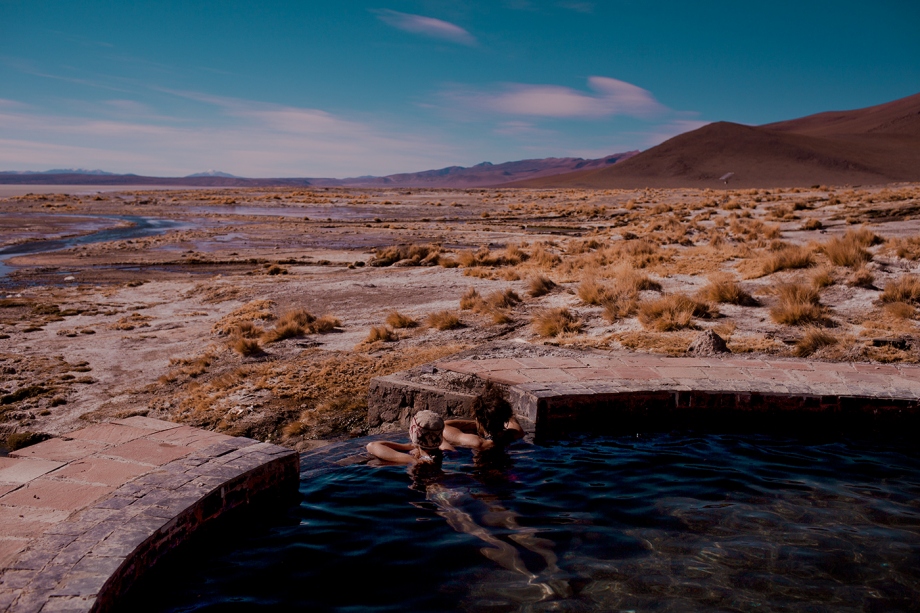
(493, 424)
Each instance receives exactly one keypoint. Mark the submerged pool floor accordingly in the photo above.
(659, 522)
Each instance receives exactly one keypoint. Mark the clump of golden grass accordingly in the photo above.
(443, 320)
(670, 343)
(554, 322)
(788, 257)
(511, 256)
(324, 324)
(380, 333)
(813, 340)
(246, 346)
(799, 304)
(823, 277)
(862, 277)
(591, 292)
(540, 286)
(903, 289)
(290, 325)
(724, 289)
(412, 255)
(248, 329)
(395, 319)
(503, 299)
(907, 248)
(470, 299)
(251, 311)
(673, 312)
(900, 310)
(846, 251)
(812, 224)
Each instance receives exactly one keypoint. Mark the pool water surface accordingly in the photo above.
(659, 522)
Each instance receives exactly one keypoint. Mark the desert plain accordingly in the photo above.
(266, 311)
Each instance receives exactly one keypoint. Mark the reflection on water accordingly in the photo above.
(670, 522)
(139, 227)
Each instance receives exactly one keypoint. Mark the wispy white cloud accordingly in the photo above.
(610, 97)
(243, 137)
(426, 26)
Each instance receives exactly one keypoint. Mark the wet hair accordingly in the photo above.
(491, 412)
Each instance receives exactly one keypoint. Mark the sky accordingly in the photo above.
(297, 88)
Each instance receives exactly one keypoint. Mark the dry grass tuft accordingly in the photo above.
(907, 248)
(812, 224)
(862, 277)
(246, 346)
(554, 322)
(443, 320)
(540, 286)
(503, 299)
(799, 304)
(723, 289)
(249, 312)
(900, 310)
(789, 257)
(407, 255)
(291, 325)
(823, 277)
(470, 299)
(813, 340)
(673, 312)
(395, 319)
(591, 292)
(903, 289)
(671, 343)
(846, 251)
(380, 333)
(326, 323)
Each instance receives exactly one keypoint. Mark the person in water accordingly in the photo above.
(493, 424)
(426, 445)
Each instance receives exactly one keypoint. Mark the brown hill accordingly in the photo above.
(485, 174)
(878, 144)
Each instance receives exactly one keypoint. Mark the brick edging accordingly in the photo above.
(84, 564)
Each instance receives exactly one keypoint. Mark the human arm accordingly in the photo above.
(391, 452)
(463, 425)
(457, 437)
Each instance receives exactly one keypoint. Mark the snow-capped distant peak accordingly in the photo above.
(213, 173)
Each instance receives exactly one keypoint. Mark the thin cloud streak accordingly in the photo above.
(261, 140)
(426, 26)
(611, 97)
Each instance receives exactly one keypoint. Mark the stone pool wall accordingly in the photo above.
(550, 388)
(85, 516)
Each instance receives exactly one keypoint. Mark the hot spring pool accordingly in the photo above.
(671, 521)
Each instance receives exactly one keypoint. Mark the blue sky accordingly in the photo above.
(346, 88)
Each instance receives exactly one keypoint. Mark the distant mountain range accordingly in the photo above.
(875, 145)
(485, 174)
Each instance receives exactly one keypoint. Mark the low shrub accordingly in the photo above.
(395, 319)
(380, 333)
(727, 290)
(443, 320)
(789, 257)
(813, 340)
(554, 322)
(246, 346)
(903, 289)
(673, 312)
(540, 286)
(798, 305)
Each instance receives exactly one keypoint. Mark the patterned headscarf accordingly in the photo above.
(425, 429)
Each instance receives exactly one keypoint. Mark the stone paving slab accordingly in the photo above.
(546, 382)
(82, 516)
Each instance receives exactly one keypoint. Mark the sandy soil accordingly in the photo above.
(215, 324)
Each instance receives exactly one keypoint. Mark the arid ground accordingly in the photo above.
(265, 312)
